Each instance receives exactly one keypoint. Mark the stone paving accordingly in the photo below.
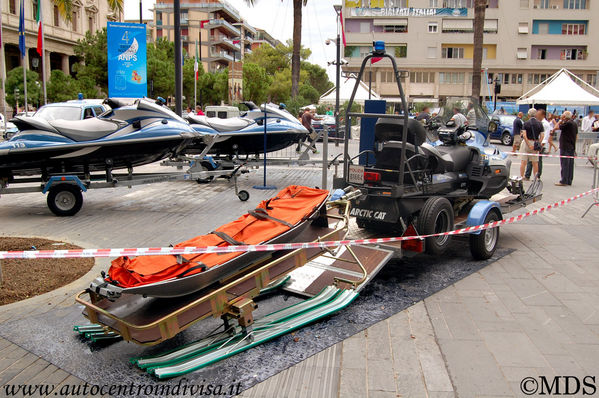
(532, 313)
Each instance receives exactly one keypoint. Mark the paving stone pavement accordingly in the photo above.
(532, 313)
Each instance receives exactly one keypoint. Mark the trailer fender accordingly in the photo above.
(479, 211)
(64, 179)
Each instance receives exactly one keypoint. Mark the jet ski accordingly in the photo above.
(132, 133)
(281, 219)
(244, 135)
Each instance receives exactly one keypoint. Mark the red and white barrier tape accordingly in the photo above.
(158, 251)
(547, 155)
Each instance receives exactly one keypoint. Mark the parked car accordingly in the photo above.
(505, 131)
(8, 129)
(72, 110)
(327, 121)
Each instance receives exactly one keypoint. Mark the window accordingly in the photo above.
(537, 78)
(158, 33)
(524, 4)
(90, 24)
(506, 78)
(74, 21)
(516, 78)
(451, 77)
(365, 27)
(542, 53)
(592, 79)
(523, 28)
(422, 77)
(572, 53)
(387, 77)
(12, 6)
(573, 29)
(56, 16)
(544, 4)
(401, 51)
(522, 53)
(575, 4)
(452, 52)
(34, 9)
(364, 51)
(433, 27)
(458, 3)
(431, 52)
(433, 3)
(396, 3)
(543, 28)
(395, 28)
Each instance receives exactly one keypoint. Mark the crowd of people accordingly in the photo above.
(535, 137)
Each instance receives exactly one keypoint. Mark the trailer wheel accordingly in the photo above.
(243, 195)
(65, 200)
(483, 245)
(436, 216)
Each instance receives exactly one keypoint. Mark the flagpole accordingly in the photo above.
(195, 80)
(23, 50)
(39, 4)
(200, 61)
(3, 60)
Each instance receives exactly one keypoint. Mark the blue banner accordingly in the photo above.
(127, 63)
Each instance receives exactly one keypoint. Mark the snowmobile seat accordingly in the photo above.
(86, 129)
(221, 125)
(453, 157)
(387, 129)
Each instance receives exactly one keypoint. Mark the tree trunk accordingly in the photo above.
(477, 59)
(297, 43)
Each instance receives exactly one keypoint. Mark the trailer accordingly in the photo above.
(65, 191)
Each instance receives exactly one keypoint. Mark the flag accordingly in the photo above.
(342, 28)
(22, 29)
(374, 60)
(204, 22)
(237, 41)
(196, 65)
(38, 18)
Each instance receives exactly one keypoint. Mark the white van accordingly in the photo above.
(222, 111)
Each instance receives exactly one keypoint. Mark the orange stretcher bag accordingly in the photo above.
(270, 219)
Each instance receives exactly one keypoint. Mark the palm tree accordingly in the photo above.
(480, 7)
(297, 42)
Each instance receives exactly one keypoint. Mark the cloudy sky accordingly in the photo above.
(276, 17)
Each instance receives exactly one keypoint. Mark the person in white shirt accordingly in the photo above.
(544, 140)
(587, 127)
(459, 119)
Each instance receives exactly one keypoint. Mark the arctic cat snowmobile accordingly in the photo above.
(417, 183)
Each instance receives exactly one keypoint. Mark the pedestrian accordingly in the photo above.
(533, 129)
(517, 129)
(587, 128)
(329, 112)
(544, 140)
(307, 118)
(459, 119)
(555, 123)
(567, 147)
(424, 116)
(199, 111)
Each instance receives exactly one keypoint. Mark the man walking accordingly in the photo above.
(540, 116)
(517, 128)
(533, 129)
(567, 146)
(586, 127)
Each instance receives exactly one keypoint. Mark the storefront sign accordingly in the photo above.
(408, 12)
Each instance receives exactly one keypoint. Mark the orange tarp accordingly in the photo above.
(291, 205)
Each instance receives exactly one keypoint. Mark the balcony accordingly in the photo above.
(220, 56)
(221, 23)
(224, 41)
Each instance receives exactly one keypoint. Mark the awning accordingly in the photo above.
(562, 88)
(457, 24)
(395, 22)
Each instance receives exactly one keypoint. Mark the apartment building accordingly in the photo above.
(525, 41)
(60, 35)
(263, 37)
(225, 37)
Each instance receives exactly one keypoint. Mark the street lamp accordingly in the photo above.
(496, 90)
(337, 8)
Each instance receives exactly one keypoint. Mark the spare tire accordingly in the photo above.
(436, 216)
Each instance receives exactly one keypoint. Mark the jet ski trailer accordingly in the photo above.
(343, 272)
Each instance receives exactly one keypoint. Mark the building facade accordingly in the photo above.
(60, 36)
(224, 36)
(525, 41)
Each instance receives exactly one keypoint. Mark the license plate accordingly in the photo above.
(356, 174)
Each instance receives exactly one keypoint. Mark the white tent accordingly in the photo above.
(347, 87)
(562, 88)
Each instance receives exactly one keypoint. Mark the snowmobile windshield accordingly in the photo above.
(471, 109)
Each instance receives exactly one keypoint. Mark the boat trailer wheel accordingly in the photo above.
(483, 245)
(65, 200)
(436, 216)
